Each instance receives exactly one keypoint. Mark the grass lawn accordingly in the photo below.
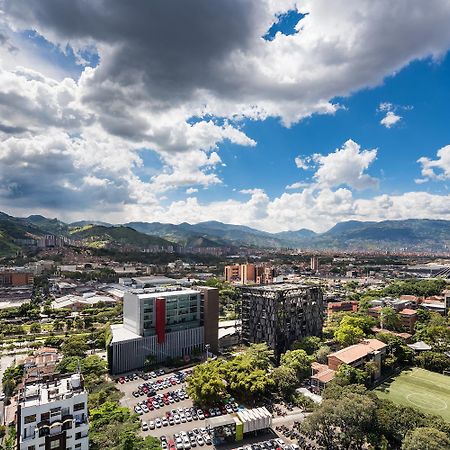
(422, 389)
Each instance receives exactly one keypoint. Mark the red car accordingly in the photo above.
(121, 380)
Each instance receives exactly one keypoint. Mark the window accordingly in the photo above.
(31, 447)
(78, 435)
(54, 444)
(45, 416)
(55, 412)
(30, 419)
(78, 406)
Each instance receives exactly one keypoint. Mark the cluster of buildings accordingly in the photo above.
(249, 274)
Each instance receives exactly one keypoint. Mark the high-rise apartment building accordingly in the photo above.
(53, 414)
(314, 263)
(248, 274)
(280, 314)
(165, 324)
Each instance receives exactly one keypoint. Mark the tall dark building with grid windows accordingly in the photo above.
(280, 314)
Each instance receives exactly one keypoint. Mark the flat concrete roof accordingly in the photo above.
(168, 293)
(120, 334)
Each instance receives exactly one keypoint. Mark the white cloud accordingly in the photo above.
(390, 119)
(296, 185)
(436, 169)
(346, 166)
(75, 145)
(302, 162)
(191, 190)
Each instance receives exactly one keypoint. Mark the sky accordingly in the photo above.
(275, 114)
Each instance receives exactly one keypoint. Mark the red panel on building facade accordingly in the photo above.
(160, 313)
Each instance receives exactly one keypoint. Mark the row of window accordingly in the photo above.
(54, 412)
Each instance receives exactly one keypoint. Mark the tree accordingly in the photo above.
(347, 374)
(58, 325)
(322, 354)
(206, 385)
(425, 439)
(351, 414)
(299, 361)
(348, 334)
(434, 361)
(285, 380)
(390, 319)
(310, 344)
(75, 346)
(260, 355)
(35, 328)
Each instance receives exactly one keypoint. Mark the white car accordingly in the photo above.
(158, 423)
(144, 426)
(207, 438)
(200, 440)
(183, 418)
(145, 408)
(177, 419)
(151, 425)
(138, 410)
(200, 414)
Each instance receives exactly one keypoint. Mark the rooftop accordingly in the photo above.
(120, 334)
(408, 312)
(358, 351)
(277, 287)
(60, 388)
(168, 293)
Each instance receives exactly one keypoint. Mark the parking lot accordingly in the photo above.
(190, 431)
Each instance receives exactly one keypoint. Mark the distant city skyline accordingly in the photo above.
(276, 115)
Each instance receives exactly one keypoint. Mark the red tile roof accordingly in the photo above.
(358, 351)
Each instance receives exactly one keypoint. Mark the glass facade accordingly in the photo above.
(182, 312)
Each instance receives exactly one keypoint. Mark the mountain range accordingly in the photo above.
(413, 234)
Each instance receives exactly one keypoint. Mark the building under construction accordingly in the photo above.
(280, 314)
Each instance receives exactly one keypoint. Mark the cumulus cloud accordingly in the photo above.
(390, 119)
(346, 166)
(296, 185)
(302, 162)
(177, 78)
(191, 190)
(436, 169)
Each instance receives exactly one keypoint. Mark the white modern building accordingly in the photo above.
(166, 323)
(53, 414)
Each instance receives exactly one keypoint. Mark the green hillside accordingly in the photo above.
(101, 236)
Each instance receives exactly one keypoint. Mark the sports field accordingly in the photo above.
(427, 391)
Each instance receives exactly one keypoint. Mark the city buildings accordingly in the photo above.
(249, 274)
(314, 263)
(15, 277)
(53, 415)
(166, 323)
(280, 314)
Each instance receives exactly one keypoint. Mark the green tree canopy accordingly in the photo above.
(75, 346)
(299, 361)
(425, 439)
(285, 380)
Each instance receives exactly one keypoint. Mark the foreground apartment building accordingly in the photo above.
(53, 414)
(166, 323)
(280, 314)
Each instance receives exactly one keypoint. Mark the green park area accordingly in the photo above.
(419, 388)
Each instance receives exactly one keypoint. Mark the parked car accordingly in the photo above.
(144, 426)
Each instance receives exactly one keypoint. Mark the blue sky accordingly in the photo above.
(205, 120)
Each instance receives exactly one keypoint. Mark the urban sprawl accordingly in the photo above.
(256, 350)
